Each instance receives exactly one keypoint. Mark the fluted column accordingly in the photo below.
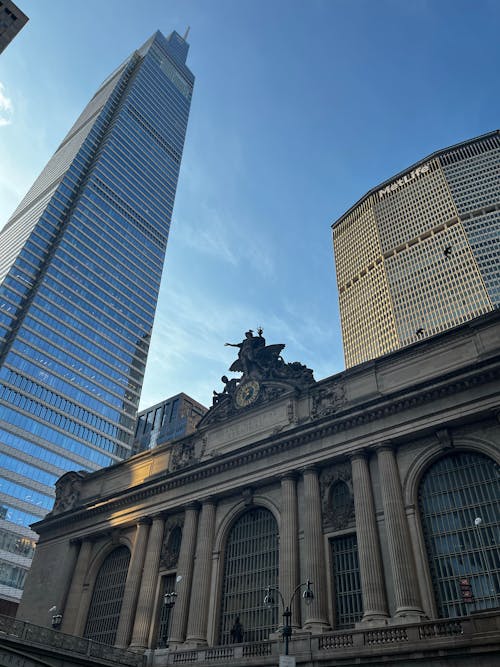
(200, 593)
(314, 552)
(185, 571)
(406, 592)
(370, 561)
(145, 603)
(73, 602)
(132, 584)
(289, 546)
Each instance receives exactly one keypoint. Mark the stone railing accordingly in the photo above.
(27, 634)
(443, 632)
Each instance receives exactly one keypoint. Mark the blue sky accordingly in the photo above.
(299, 108)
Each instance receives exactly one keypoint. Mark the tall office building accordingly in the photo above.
(420, 253)
(12, 20)
(81, 262)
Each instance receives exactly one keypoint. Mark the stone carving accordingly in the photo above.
(182, 455)
(337, 498)
(68, 488)
(265, 377)
(328, 400)
(171, 544)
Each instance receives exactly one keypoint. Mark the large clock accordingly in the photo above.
(247, 393)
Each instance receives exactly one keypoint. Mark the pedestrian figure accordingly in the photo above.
(237, 631)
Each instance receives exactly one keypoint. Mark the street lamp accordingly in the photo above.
(57, 620)
(308, 597)
(168, 602)
(484, 556)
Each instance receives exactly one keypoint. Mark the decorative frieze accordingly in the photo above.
(337, 498)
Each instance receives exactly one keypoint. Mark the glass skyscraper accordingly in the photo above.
(80, 267)
(420, 253)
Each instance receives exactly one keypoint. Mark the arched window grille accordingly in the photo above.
(250, 565)
(456, 490)
(340, 496)
(106, 603)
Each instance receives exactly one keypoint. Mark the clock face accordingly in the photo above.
(247, 393)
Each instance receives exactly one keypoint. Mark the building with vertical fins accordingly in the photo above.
(80, 268)
(420, 253)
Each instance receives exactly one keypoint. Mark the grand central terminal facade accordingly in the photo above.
(348, 521)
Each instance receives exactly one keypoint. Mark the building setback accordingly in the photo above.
(379, 484)
(80, 267)
(420, 253)
(12, 20)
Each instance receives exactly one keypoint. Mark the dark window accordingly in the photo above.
(346, 581)
(456, 491)
(106, 603)
(250, 565)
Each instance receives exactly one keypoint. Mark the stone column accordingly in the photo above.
(70, 620)
(145, 603)
(370, 561)
(185, 570)
(314, 552)
(200, 593)
(127, 613)
(289, 546)
(406, 590)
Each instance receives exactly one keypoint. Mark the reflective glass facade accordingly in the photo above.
(80, 267)
(420, 254)
(173, 418)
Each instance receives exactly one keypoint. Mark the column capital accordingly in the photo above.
(363, 454)
(292, 475)
(145, 521)
(209, 500)
(384, 446)
(193, 505)
(313, 469)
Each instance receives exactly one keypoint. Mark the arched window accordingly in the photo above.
(250, 565)
(106, 603)
(459, 498)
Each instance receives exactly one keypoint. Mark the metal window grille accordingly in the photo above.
(250, 565)
(106, 603)
(164, 611)
(340, 496)
(452, 494)
(346, 579)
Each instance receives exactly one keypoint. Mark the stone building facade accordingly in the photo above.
(368, 484)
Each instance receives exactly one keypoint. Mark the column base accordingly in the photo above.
(195, 642)
(316, 627)
(373, 619)
(408, 615)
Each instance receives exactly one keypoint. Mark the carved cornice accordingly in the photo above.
(275, 444)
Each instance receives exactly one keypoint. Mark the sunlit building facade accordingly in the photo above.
(420, 253)
(80, 268)
(377, 489)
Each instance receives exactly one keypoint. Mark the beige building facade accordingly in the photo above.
(419, 254)
(365, 488)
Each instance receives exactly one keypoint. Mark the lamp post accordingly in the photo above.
(168, 602)
(490, 589)
(57, 620)
(308, 597)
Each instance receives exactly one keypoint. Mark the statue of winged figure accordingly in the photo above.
(254, 356)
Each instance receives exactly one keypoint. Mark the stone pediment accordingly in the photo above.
(266, 377)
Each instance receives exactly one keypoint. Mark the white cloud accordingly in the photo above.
(6, 107)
